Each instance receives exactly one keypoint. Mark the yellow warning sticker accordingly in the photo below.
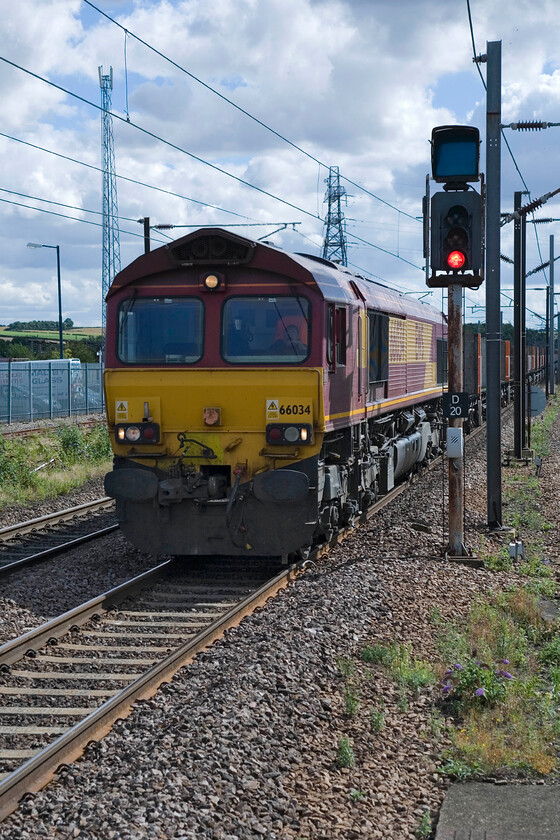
(272, 410)
(121, 410)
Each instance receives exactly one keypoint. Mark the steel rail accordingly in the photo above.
(9, 568)
(40, 769)
(10, 531)
(15, 649)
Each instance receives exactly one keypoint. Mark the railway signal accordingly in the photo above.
(455, 240)
(456, 213)
(456, 237)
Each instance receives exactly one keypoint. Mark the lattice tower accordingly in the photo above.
(334, 242)
(111, 248)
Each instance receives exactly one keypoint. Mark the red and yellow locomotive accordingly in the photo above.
(257, 399)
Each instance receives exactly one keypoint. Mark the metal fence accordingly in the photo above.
(46, 389)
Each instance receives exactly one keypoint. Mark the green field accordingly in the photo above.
(52, 335)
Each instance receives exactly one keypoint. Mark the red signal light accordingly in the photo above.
(456, 259)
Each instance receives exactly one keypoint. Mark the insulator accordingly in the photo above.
(532, 206)
(539, 268)
(529, 125)
(506, 259)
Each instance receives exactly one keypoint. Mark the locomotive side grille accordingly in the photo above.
(211, 249)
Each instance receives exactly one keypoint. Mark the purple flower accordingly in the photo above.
(447, 688)
(505, 674)
(480, 692)
(458, 667)
(503, 661)
(448, 672)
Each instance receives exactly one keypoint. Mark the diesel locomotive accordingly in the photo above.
(258, 400)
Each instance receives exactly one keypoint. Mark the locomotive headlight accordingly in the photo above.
(133, 433)
(213, 282)
(292, 434)
(121, 433)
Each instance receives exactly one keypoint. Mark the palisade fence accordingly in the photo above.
(47, 389)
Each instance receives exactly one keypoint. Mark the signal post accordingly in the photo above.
(456, 261)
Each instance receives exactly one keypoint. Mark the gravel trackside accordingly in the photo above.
(243, 743)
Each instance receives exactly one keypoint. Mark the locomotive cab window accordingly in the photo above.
(266, 330)
(378, 339)
(163, 331)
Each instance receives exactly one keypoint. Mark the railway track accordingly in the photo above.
(41, 538)
(29, 430)
(65, 683)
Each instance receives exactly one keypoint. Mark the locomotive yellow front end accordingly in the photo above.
(215, 461)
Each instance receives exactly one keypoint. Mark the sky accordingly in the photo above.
(311, 84)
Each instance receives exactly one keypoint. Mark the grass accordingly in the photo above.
(504, 694)
(51, 463)
(501, 685)
(542, 427)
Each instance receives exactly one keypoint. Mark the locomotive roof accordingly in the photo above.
(217, 248)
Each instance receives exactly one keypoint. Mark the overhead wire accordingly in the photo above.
(124, 177)
(243, 110)
(64, 216)
(154, 136)
(61, 204)
(527, 190)
(160, 189)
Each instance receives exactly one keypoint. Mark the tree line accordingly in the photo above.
(67, 324)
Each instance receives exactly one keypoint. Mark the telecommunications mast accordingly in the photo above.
(111, 248)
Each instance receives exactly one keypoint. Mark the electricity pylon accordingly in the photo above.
(334, 243)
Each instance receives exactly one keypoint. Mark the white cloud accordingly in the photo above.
(356, 83)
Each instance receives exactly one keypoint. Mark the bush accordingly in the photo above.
(78, 446)
(14, 465)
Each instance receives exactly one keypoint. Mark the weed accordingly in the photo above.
(550, 653)
(475, 682)
(458, 769)
(357, 795)
(345, 666)
(345, 754)
(436, 616)
(377, 720)
(378, 654)
(72, 443)
(437, 725)
(501, 562)
(402, 699)
(424, 827)
(351, 700)
(409, 673)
